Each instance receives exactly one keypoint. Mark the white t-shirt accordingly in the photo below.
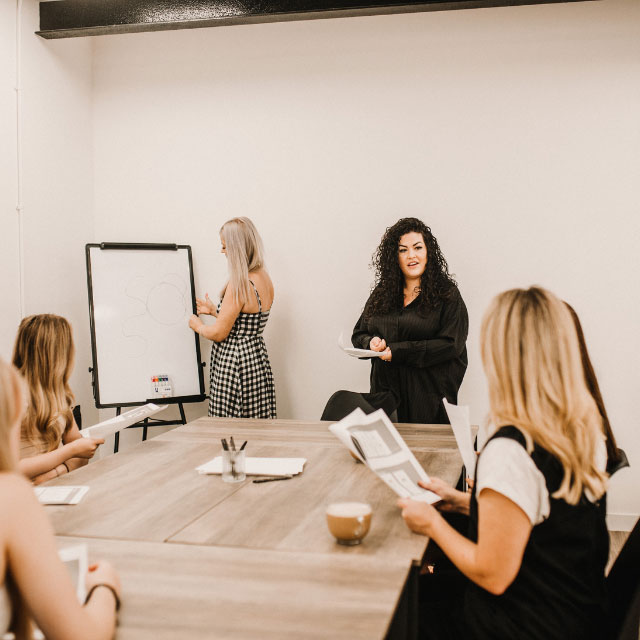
(507, 468)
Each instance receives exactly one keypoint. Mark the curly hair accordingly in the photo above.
(387, 293)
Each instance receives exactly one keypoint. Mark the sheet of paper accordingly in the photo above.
(356, 353)
(76, 560)
(259, 466)
(461, 425)
(60, 495)
(113, 425)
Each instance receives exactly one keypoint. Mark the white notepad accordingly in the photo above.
(60, 495)
(258, 466)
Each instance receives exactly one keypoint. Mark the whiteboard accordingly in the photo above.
(140, 299)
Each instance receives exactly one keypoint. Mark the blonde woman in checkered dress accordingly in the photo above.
(241, 382)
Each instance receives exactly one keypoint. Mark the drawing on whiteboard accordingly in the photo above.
(165, 301)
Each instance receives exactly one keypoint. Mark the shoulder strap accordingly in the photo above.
(547, 463)
(257, 296)
(511, 432)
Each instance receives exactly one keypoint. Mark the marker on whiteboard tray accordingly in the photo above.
(161, 386)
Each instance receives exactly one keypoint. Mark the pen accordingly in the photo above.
(257, 480)
(232, 443)
(356, 444)
(244, 444)
(225, 446)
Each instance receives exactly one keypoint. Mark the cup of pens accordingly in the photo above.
(233, 462)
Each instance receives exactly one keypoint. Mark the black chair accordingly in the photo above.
(77, 416)
(623, 586)
(613, 466)
(342, 403)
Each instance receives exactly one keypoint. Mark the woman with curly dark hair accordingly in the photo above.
(416, 318)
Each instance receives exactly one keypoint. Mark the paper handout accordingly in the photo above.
(375, 441)
(113, 425)
(459, 418)
(76, 560)
(258, 466)
(60, 495)
(356, 353)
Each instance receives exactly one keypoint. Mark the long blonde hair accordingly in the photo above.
(245, 253)
(536, 382)
(12, 396)
(43, 354)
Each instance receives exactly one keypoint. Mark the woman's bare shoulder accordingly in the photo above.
(15, 492)
(13, 483)
(263, 283)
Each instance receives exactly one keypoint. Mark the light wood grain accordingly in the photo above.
(260, 561)
(417, 436)
(177, 591)
(153, 493)
(290, 514)
(148, 492)
(616, 542)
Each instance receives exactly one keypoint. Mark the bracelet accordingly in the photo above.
(66, 466)
(108, 586)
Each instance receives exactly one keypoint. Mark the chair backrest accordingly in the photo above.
(623, 586)
(77, 416)
(613, 466)
(342, 403)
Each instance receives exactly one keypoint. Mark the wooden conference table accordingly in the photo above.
(200, 558)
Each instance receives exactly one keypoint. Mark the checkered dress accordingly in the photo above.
(241, 383)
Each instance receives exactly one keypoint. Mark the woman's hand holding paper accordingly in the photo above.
(419, 516)
(452, 499)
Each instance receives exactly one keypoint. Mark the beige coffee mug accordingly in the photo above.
(349, 522)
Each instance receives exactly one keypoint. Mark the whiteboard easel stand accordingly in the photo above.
(197, 394)
(149, 422)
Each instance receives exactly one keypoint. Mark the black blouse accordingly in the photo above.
(428, 356)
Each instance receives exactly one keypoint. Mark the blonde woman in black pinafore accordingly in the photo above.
(241, 380)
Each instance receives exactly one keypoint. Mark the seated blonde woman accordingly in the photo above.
(33, 580)
(50, 441)
(538, 543)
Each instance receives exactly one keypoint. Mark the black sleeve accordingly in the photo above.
(447, 344)
(361, 337)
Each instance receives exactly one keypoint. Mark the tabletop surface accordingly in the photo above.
(172, 591)
(196, 554)
(152, 492)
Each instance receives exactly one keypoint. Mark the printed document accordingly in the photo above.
(375, 441)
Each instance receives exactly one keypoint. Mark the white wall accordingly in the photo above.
(56, 179)
(9, 255)
(513, 132)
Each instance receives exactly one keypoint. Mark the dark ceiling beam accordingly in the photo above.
(71, 18)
